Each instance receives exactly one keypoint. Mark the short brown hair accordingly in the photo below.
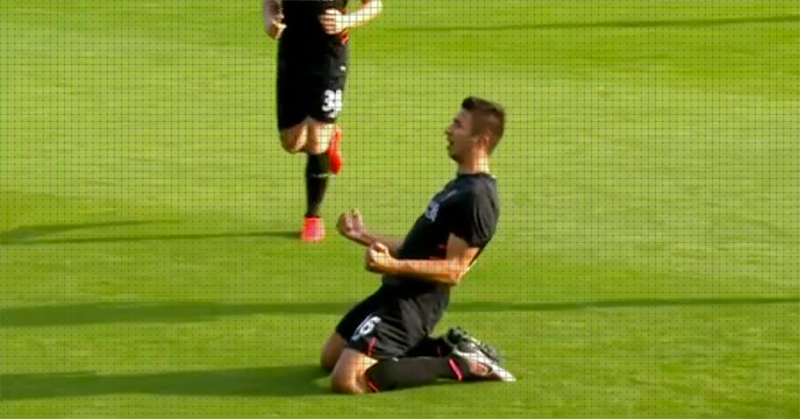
(488, 117)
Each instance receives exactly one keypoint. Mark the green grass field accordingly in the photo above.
(646, 264)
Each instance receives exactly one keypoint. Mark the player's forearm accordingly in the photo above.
(448, 272)
(367, 239)
(368, 11)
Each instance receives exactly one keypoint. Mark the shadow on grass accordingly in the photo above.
(267, 381)
(138, 312)
(38, 234)
(689, 23)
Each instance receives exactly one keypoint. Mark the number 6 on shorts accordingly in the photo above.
(366, 327)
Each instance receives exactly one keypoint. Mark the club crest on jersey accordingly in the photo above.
(433, 208)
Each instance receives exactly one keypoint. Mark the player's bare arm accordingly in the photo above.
(351, 226)
(334, 21)
(273, 19)
(448, 271)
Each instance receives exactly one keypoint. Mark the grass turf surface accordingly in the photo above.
(646, 262)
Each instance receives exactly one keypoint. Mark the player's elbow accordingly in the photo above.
(455, 275)
(454, 280)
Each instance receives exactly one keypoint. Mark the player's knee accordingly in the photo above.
(293, 140)
(292, 145)
(345, 385)
(331, 352)
(327, 361)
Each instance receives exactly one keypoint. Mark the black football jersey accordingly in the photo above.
(304, 43)
(304, 14)
(467, 207)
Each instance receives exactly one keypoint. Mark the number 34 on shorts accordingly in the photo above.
(366, 327)
(332, 102)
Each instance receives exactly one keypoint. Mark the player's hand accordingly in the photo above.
(275, 27)
(379, 258)
(333, 21)
(351, 224)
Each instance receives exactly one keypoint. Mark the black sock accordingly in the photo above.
(433, 347)
(393, 374)
(316, 183)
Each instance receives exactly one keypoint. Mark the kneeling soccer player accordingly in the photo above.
(383, 343)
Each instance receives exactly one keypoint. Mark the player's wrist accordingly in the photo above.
(395, 266)
(360, 238)
(368, 239)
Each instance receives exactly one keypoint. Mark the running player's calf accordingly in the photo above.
(324, 139)
(320, 141)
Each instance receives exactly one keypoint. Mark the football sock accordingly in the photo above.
(394, 374)
(316, 183)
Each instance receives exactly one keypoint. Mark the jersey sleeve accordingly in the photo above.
(474, 219)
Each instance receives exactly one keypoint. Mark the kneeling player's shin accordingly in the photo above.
(401, 373)
(432, 347)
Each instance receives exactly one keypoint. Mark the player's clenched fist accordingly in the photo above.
(333, 21)
(351, 224)
(275, 27)
(379, 258)
(273, 19)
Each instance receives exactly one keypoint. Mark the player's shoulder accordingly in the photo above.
(483, 185)
(480, 190)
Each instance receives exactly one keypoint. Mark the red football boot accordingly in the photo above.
(313, 230)
(336, 161)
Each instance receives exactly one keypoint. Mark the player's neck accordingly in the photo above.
(473, 166)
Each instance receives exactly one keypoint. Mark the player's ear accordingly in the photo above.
(485, 141)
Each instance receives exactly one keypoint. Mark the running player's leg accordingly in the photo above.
(293, 139)
(309, 135)
(322, 146)
(293, 95)
(327, 102)
(298, 96)
(318, 166)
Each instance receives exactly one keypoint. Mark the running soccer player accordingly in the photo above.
(312, 68)
(383, 343)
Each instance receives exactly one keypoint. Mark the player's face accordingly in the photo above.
(460, 139)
